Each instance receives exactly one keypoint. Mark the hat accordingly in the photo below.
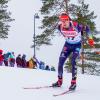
(64, 16)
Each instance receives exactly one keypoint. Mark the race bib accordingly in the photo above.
(69, 33)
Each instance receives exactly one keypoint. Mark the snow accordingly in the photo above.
(12, 81)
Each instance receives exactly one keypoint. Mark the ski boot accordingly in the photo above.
(58, 83)
(73, 85)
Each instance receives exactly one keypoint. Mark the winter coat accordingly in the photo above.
(6, 56)
(1, 57)
(12, 58)
(19, 61)
(32, 63)
(24, 62)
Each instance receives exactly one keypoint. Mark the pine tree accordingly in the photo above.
(85, 17)
(4, 19)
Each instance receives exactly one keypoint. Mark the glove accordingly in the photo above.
(91, 42)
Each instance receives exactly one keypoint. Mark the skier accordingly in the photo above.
(72, 31)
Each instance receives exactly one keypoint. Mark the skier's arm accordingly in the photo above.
(59, 28)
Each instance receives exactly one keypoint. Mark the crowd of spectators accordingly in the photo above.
(9, 59)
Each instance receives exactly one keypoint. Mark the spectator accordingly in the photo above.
(12, 59)
(1, 57)
(47, 67)
(53, 68)
(41, 65)
(6, 57)
(32, 63)
(37, 62)
(19, 61)
(24, 62)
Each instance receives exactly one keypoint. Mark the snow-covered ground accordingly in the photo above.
(12, 81)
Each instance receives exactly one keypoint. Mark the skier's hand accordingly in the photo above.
(91, 42)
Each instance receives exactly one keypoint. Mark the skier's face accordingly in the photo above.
(65, 23)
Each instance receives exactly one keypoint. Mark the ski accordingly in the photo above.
(42, 87)
(38, 87)
(63, 93)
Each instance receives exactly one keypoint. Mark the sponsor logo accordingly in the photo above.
(69, 33)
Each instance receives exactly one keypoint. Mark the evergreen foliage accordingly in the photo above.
(4, 19)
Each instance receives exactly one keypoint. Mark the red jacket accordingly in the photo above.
(1, 57)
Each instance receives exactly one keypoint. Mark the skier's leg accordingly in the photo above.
(74, 68)
(63, 56)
